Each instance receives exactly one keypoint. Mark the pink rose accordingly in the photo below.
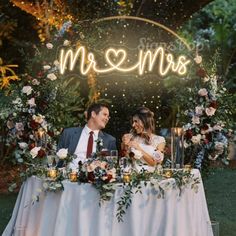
(210, 111)
(202, 92)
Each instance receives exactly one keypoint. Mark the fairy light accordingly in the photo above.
(145, 59)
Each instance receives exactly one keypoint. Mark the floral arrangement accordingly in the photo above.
(205, 137)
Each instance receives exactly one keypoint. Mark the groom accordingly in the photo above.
(81, 141)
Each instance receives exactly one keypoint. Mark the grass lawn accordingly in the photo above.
(220, 189)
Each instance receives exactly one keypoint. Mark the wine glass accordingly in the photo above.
(114, 154)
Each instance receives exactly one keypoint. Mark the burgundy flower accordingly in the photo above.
(41, 153)
(201, 72)
(206, 141)
(213, 104)
(91, 177)
(189, 134)
(34, 125)
(205, 127)
(50, 133)
(209, 137)
(109, 177)
(31, 146)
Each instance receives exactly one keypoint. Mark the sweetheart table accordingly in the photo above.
(76, 212)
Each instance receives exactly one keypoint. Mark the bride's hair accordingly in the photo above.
(147, 118)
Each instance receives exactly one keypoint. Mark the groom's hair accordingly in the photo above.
(96, 107)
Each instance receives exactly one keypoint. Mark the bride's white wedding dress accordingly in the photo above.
(139, 163)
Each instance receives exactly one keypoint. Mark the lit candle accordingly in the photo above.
(73, 176)
(52, 173)
(126, 177)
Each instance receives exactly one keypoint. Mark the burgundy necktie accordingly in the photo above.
(90, 144)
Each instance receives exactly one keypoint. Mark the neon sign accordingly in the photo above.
(115, 59)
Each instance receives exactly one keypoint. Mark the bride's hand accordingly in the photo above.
(126, 138)
(134, 144)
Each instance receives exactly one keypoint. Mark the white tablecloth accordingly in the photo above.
(76, 212)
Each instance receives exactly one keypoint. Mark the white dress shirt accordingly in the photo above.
(81, 148)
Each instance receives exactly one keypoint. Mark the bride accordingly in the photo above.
(142, 144)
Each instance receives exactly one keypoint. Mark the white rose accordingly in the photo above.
(62, 153)
(31, 102)
(219, 147)
(210, 111)
(202, 92)
(27, 89)
(196, 120)
(23, 145)
(56, 63)
(196, 139)
(18, 101)
(49, 46)
(19, 126)
(51, 76)
(199, 110)
(34, 151)
(66, 43)
(47, 67)
(35, 82)
(39, 118)
(198, 59)
(217, 127)
(205, 79)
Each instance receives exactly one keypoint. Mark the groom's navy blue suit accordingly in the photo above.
(70, 138)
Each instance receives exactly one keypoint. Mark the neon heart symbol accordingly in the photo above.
(119, 54)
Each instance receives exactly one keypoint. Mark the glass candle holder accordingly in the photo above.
(73, 176)
(126, 177)
(187, 168)
(52, 173)
(167, 173)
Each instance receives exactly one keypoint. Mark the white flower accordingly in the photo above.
(31, 102)
(49, 46)
(210, 111)
(17, 101)
(62, 153)
(51, 76)
(35, 82)
(196, 139)
(205, 79)
(34, 151)
(196, 120)
(56, 63)
(219, 147)
(66, 43)
(217, 127)
(39, 118)
(47, 67)
(202, 92)
(27, 89)
(19, 126)
(198, 59)
(23, 145)
(199, 110)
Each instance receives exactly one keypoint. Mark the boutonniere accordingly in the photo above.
(99, 144)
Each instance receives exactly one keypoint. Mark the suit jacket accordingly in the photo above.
(70, 138)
